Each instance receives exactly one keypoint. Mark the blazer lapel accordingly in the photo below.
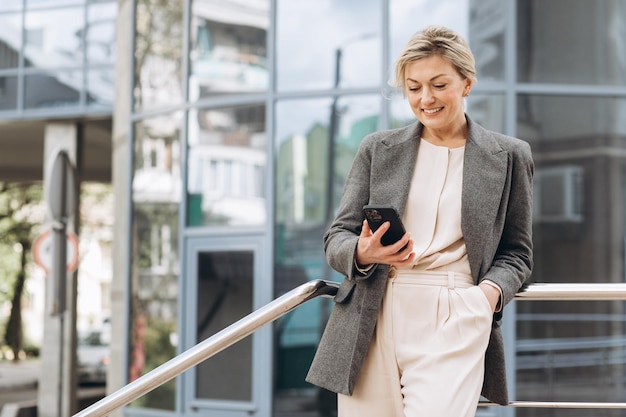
(484, 177)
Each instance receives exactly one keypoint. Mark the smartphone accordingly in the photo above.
(376, 215)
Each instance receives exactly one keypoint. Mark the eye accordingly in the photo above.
(440, 86)
(414, 89)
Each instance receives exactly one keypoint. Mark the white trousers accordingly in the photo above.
(427, 356)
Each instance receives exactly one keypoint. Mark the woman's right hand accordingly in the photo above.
(370, 250)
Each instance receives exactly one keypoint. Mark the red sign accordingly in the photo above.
(42, 251)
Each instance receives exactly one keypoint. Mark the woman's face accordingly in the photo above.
(435, 91)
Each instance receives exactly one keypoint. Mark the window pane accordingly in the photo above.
(155, 270)
(54, 38)
(53, 90)
(552, 48)
(579, 186)
(409, 16)
(307, 51)
(225, 290)
(100, 86)
(302, 137)
(227, 165)
(10, 5)
(100, 33)
(488, 110)
(8, 93)
(48, 3)
(302, 192)
(401, 114)
(11, 40)
(158, 49)
(570, 351)
(553, 120)
(481, 23)
(487, 24)
(228, 47)
(574, 351)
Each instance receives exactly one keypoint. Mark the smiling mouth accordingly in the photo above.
(432, 111)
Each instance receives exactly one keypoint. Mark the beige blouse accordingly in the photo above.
(433, 209)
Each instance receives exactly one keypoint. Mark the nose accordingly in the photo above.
(427, 94)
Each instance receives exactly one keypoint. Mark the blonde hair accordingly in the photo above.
(436, 40)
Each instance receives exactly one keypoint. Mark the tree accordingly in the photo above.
(21, 211)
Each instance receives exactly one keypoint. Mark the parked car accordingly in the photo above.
(93, 355)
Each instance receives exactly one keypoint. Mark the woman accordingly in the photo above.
(415, 330)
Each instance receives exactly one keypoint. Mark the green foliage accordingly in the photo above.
(9, 266)
(22, 219)
(21, 212)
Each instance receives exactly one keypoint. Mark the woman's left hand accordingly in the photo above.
(492, 294)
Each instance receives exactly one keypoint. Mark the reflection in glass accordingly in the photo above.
(565, 118)
(308, 54)
(10, 40)
(550, 42)
(480, 22)
(570, 351)
(488, 110)
(53, 38)
(40, 3)
(225, 295)
(401, 113)
(302, 136)
(574, 351)
(10, 5)
(227, 166)
(409, 16)
(8, 93)
(228, 47)
(487, 20)
(100, 33)
(155, 271)
(52, 90)
(158, 48)
(305, 200)
(100, 87)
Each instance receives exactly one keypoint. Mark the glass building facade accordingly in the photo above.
(237, 121)
(56, 57)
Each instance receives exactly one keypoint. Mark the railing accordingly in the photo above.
(284, 304)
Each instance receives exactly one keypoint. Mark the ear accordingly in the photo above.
(468, 87)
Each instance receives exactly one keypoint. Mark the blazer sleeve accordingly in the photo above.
(513, 260)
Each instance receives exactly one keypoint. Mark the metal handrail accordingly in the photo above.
(571, 292)
(313, 289)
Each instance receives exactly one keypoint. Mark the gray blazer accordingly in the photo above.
(497, 228)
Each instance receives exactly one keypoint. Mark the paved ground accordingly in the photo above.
(18, 375)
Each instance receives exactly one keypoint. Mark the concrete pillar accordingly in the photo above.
(121, 151)
(57, 381)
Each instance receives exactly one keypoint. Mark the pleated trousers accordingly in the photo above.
(426, 358)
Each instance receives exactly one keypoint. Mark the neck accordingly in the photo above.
(451, 138)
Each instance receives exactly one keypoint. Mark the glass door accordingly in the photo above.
(223, 278)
